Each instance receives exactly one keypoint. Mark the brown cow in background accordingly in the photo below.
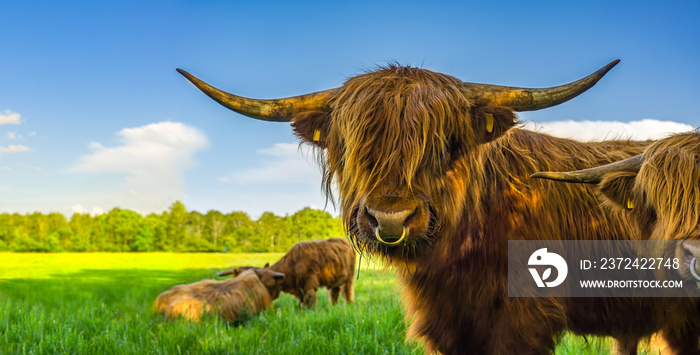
(312, 264)
(432, 176)
(248, 293)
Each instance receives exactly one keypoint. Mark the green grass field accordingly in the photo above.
(102, 303)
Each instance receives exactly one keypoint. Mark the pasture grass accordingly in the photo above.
(102, 303)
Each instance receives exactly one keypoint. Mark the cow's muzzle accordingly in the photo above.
(392, 221)
(391, 228)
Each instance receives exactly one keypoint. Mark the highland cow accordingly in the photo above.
(248, 293)
(312, 264)
(433, 176)
(661, 190)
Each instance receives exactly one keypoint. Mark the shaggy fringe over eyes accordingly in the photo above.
(389, 124)
(670, 180)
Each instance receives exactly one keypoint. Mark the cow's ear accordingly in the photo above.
(491, 122)
(266, 265)
(312, 127)
(617, 188)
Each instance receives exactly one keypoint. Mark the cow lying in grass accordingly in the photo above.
(249, 293)
(310, 265)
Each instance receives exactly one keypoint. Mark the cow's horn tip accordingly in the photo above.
(611, 65)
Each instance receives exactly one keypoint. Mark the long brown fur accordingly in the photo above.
(312, 264)
(665, 192)
(402, 134)
(244, 294)
(669, 183)
(665, 203)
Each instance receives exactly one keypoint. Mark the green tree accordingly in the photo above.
(215, 225)
(84, 229)
(38, 229)
(271, 231)
(308, 224)
(173, 230)
(157, 224)
(177, 225)
(144, 240)
(23, 243)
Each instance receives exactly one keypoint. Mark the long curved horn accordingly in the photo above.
(592, 175)
(277, 110)
(523, 99)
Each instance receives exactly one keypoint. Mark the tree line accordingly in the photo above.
(174, 230)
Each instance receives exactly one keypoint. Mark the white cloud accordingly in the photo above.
(31, 134)
(10, 117)
(282, 163)
(7, 168)
(95, 145)
(599, 130)
(12, 135)
(14, 149)
(80, 209)
(154, 159)
(282, 179)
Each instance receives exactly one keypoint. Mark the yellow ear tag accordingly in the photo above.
(630, 203)
(317, 135)
(489, 122)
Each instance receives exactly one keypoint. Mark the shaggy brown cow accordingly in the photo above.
(313, 264)
(248, 293)
(661, 190)
(433, 176)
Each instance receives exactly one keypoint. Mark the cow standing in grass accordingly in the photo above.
(312, 264)
(249, 293)
(433, 176)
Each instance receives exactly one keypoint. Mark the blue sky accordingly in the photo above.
(93, 114)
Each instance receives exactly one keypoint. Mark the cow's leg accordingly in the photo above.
(297, 292)
(309, 288)
(526, 326)
(348, 291)
(333, 294)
